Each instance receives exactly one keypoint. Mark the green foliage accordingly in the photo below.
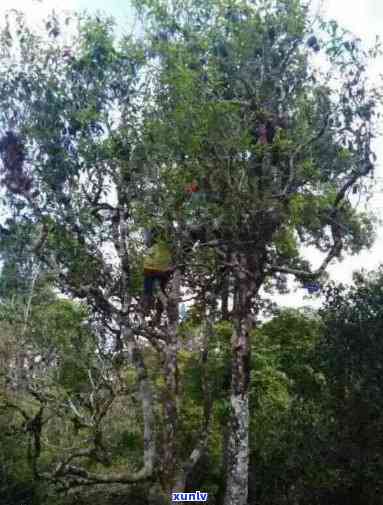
(16, 479)
(350, 356)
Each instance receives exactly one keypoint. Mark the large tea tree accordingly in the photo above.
(276, 122)
(224, 93)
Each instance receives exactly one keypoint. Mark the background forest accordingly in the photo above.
(217, 143)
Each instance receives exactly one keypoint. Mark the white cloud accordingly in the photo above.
(35, 9)
(362, 17)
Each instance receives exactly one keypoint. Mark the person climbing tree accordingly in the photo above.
(157, 269)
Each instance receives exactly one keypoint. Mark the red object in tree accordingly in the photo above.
(192, 188)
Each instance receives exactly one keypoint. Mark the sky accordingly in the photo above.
(362, 17)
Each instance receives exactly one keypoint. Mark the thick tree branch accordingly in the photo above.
(352, 180)
(108, 478)
(307, 274)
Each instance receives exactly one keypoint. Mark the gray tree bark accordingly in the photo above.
(238, 444)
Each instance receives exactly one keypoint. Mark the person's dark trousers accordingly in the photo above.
(198, 234)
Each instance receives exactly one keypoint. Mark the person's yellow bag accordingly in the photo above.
(158, 258)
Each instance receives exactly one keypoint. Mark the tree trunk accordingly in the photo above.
(238, 443)
(170, 393)
(175, 472)
(225, 275)
(225, 297)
